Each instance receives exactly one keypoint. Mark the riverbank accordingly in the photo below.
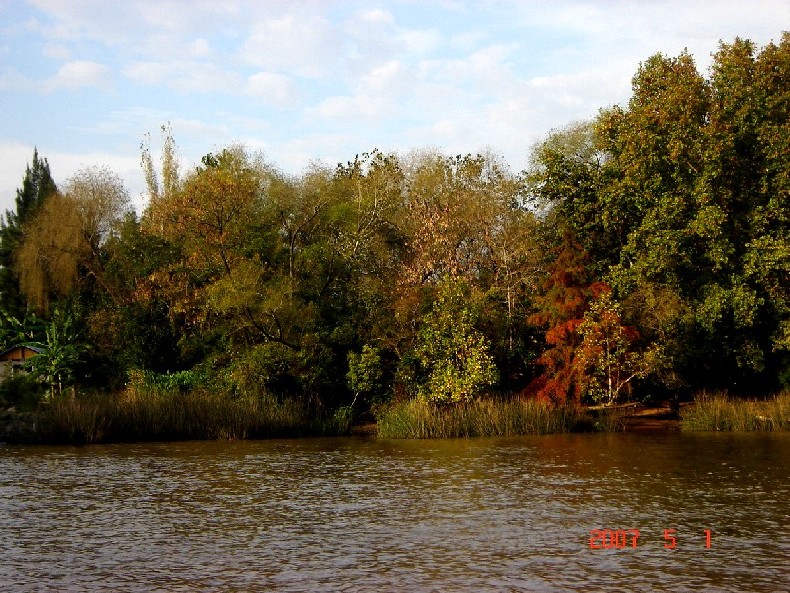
(420, 419)
(415, 419)
(708, 412)
(631, 418)
(134, 416)
(151, 415)
(720, 412)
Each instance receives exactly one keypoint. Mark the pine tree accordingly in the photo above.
(37, 185)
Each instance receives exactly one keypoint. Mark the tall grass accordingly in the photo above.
(419, 419)
(720, 412)
(153, 414)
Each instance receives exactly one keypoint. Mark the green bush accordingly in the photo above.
(22, 391)
(182, 381)
(262, 369)
(454, 354)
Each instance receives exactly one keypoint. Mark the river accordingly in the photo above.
(360, 514)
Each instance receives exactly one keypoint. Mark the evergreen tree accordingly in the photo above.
(37, 185)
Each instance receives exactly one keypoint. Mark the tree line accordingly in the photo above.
(643, 254)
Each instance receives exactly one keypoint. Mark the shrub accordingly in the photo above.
(22, 391)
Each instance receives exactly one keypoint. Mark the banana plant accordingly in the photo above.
(60, 354)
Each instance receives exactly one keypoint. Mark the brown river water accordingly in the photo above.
(360, 514)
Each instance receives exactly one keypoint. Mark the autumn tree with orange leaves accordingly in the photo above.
(561, 311)
(610, 356)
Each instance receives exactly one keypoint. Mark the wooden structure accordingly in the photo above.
(14, 360)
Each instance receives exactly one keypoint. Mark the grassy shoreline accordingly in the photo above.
(418, 419)
(136, 415)
(720, 412)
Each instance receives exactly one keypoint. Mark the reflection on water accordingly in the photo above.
(369, 515)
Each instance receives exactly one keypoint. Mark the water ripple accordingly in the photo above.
(367, 515)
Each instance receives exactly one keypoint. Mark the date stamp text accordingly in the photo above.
(608, 539)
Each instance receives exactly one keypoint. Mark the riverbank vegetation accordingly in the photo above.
(642, 255)
(718, 411)
(150, 411)
(422, 419)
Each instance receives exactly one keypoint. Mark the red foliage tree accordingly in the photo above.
(609, 356)
(561, 308)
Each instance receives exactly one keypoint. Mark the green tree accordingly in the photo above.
(564, 184)
(747, 184)
(454, 354)
(161, 187)
(60, 354)
(696, 171)
(129, 324)
(209, 221)
(37, 186)
(365, 373)
(18, 331)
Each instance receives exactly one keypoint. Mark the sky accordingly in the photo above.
(305, 81)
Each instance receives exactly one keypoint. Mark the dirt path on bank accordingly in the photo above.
(644, 419)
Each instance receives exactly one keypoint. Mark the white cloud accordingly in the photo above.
(14, 157)
(485, 71)
(249, 124)
(568, 91)
(148, 73)
(184, 76)
(274, 89)
(322, 80)
(57, 51)
(108, 22)
(12, 79)
(302, 44)
(325, 148)
(204, 77)
(348, 109)
(377, 17)
(130, 22)
(199, 48)
(123, 123)
(468, 40)
(196, 137)
(420, 42)
(389, 78)
(375, 36)
(79, 74)
(604, 31)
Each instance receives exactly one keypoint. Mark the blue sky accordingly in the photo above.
(304, 81)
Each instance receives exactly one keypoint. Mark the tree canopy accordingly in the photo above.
(641, 253)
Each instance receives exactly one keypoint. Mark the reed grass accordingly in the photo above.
(419, 419)
(606, 419)
(154, 414)
(718, 411)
